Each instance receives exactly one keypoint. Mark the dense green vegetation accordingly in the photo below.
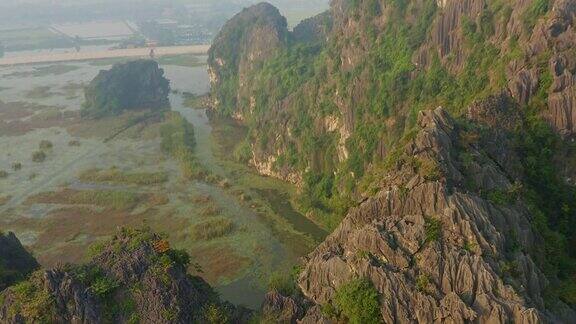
(552, 203)
(357, 302)
(178, 142)
(536, 9)
(32, 301)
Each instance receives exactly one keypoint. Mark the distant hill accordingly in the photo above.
(127, 86)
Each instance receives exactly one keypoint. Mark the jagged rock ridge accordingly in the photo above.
(435, 249)
(136, 277)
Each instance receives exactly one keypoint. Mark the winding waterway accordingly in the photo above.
(243, 290)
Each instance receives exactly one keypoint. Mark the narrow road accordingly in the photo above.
(95, 55)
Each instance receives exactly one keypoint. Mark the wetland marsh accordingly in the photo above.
(239, 227)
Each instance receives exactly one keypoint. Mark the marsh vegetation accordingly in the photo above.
(167, 170)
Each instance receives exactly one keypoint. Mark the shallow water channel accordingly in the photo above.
(243, 290)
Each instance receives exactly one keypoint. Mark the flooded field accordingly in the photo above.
(65, 183)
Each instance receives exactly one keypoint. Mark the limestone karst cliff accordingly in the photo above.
(455, 245)
(461, 213)
(325, 112)
(439, 250)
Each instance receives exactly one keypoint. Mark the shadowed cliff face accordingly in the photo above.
(15, 262)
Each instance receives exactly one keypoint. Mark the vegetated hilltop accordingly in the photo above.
(469, 210)
(134, 278)
(127, 86)
(326, 111)
(15, 262)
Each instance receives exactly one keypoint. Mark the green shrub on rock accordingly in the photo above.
(358, 301)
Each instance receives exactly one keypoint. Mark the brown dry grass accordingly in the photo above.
(4, 200)
(212, 229)
(58, 231)
(219, 262)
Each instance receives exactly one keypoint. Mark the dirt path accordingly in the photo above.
(119, 53)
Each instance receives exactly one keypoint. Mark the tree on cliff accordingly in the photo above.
(128, 86)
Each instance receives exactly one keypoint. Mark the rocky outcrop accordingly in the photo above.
(164, 286)
(446, 38)
(135, 276)
(282, 309)
(16, 263)
(245, 41)
(127, 86)
(554, 41)
(435, 250)
(51, 296)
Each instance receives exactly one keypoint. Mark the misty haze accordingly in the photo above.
(288, 161)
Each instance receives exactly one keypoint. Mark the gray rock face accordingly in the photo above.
(555, 34)
(54, 295)
(282, 309)
(462, 271)
(74, 302)
(164, 289)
